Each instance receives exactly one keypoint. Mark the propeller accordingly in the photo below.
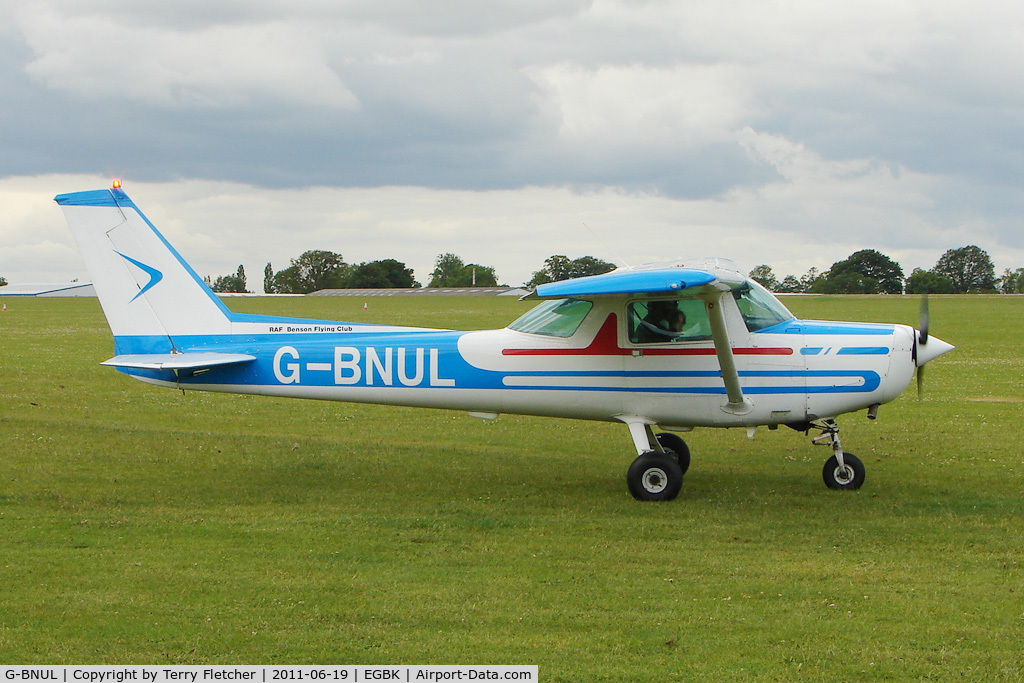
(922, 340)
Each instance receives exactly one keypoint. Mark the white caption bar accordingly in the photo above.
(263, 674)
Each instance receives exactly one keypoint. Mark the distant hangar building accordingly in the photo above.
(49, 290)
(425, 291)
(86, 289)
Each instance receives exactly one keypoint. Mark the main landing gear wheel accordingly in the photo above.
(671, 442)
(849, 477)
(655, 476)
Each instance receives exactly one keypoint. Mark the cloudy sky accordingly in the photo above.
(791, 133)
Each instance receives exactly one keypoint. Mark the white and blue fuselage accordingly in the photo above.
(802, 370)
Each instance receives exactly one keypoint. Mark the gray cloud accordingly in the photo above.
(791, 117)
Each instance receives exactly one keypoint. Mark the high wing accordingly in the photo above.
(632, 281)
(709, 285)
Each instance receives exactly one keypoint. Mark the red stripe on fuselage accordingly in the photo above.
(606, 343)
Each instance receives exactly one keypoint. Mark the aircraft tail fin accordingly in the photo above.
(149, 294)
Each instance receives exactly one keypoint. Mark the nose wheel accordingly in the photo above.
(846, 477)
(843, 471)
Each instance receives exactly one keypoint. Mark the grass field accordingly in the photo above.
(141, 525)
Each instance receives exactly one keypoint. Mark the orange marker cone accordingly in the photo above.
(364, 306)
(5, 307)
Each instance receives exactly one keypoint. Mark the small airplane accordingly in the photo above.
(676, 346)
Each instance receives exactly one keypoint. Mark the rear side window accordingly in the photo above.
(661, 321)
(555, 318)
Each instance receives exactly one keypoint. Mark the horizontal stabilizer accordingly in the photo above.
(177, 361)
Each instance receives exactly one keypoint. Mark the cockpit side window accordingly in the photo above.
(759, 307)
(555, 318)
(662, 321)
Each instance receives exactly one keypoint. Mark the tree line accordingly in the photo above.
(319, 269)
(958, 271)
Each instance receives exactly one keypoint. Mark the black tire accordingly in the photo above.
(849, 478)
(654, 476)
(674, 443)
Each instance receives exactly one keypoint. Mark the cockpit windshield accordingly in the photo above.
(759, 307)
(555, 318)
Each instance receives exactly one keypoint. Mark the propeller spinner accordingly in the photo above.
(926, 348)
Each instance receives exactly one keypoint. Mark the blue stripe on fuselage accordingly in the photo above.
(824, 327)
(863, 351)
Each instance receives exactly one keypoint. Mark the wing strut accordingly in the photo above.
(738, 404)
